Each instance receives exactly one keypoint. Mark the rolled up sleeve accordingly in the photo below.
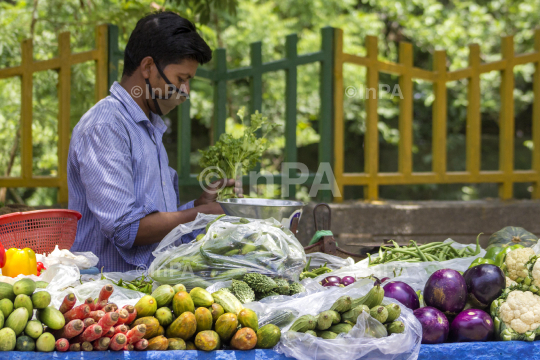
(106, 172)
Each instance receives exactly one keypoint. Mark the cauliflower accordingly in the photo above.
(510, 282)
(516, 315)
(516, 262)
(535, 273)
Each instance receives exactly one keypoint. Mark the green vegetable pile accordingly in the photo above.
(237, 156)
(435, 251)
(142, 284)
(307, 273)
(230, 250)
(344, 313)
(254, 287)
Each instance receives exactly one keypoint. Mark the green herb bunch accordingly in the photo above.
(237, 156)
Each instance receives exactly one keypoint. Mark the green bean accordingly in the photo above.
(430, 257)
(442, 255)
(403, 251)
(453, 251)
(461, 252)
(422, 256)
(433, 244)
(478, 248)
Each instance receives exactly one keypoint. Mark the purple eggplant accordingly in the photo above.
(435, 326)
(485, 283)
(348, 280)
(331, 281)
(446, 290)
(403, 293)
(472, 325)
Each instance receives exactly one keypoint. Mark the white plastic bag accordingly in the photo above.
(83, 260)
(231, 248)
(356, 344)
(414, 274)
(331, 261)
(58, 276)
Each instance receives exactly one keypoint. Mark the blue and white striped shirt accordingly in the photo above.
(118, 172)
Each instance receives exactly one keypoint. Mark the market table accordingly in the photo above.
(461, 351)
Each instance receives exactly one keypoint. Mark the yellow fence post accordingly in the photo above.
(405, 110)
(371, 137)
(101, 62)
(536, 119)
(506, 119)
(474, 127)
(439, 115)
(64, 98)
(27, 58)
(339, 150)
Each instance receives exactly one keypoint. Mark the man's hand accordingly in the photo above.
(210, 194)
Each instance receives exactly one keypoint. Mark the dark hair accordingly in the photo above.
(168, 38)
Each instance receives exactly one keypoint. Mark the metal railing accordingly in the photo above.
(220, 75)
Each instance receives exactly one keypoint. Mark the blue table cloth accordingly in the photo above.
(462, 351)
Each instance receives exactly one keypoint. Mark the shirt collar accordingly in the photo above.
(134, 109)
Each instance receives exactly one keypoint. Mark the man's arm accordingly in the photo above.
(154, 227)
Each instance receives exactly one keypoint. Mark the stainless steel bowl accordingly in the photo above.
(283, 211)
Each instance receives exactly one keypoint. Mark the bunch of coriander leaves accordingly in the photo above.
(237, 156)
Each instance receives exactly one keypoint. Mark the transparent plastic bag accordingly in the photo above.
(331, 261)
(367, 339)
(310, 285)
(230, 248)
(414, 274)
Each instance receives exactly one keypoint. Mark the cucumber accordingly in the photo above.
(34, 329)
(41, 299)
(51, 317)
(6, 306)
(280, 318)
(41, 284)
(8, 339)
(25, 302)
(24, 286)
(17, 320)
(25, 343)
(46, 342)
(6, 291)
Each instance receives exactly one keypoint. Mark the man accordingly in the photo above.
(119, 177)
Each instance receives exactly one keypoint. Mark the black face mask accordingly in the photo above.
(169, 97)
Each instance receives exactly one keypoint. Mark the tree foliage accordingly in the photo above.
(234, 24)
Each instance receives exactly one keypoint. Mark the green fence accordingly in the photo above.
(220, 75)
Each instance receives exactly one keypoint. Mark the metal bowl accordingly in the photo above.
(283, 211)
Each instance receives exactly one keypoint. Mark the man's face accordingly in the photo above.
(179, 75)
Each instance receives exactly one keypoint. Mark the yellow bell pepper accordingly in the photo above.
(20, 262)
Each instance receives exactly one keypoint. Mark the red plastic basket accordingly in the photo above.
(40, 230)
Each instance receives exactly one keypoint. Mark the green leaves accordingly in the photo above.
(237, 156)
